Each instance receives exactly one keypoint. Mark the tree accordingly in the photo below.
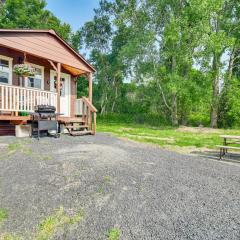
(33, 15)
(173, 53)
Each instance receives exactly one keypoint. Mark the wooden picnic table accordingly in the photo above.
(228, 140)
(235, 139)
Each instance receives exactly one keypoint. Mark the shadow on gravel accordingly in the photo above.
(229, 157)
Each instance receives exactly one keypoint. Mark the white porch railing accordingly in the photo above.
(21, 99)
(79, 107)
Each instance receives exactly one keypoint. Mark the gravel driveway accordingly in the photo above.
(137, 190)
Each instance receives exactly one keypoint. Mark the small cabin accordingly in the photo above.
(57, 66)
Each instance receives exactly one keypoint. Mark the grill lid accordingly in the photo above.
(45, 109)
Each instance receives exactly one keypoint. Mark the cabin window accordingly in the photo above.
(5, 70)
(38, 79)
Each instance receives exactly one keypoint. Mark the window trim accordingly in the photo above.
(10, 61)
(42, 71)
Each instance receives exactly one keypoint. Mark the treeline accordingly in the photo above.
(172, 61)
(178, 59)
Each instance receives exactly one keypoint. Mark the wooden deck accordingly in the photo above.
(14, 118)
(6, 117)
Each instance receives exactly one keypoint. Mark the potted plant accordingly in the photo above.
(23, 70)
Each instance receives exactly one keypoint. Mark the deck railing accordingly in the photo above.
(21, 99)
(84, 108)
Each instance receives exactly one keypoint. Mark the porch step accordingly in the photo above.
(81, 133)
(70, 120)
(77, 127)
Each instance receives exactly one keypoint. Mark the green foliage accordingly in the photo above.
(170, 51)
(147, 119)
(3, 214)
(113, 234)
(31, 14)
(82, 87)
(229, 109)
(23, 70)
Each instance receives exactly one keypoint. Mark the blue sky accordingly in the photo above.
(74, 12)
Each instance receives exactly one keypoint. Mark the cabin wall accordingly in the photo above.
(18, 58)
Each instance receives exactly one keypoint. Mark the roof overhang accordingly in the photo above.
(48, 45)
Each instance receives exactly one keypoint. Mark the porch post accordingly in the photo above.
(58, 86)
(90, 87)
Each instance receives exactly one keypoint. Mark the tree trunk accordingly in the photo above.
(174, 96)
(115, 98)
(215, 93)
(231, 62)
(103, 104)
(174, 110)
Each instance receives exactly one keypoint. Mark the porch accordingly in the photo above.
(17, 104)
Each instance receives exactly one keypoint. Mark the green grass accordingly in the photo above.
(13, 147)
(19, 146)
(48, 226)
(113, 234)
(168, 136)
(8, 236)
(51, 224)
(107, 179)
(3, 214)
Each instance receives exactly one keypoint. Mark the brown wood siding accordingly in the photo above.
(43, 45)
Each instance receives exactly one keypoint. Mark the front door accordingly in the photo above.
(65, 91)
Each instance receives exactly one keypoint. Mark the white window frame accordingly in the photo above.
(10, 66)
(42, 71)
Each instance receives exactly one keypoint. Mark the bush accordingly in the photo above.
(148, 119)
(196, 119)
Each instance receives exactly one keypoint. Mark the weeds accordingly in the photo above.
(49, 226)
(3, 214)
(113, 234)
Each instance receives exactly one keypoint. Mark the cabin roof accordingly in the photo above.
(46, 44)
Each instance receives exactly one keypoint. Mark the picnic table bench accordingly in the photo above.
(227, 140)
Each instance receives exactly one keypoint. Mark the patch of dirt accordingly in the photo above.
(198, 129)
(170, 140)
(126, 129)
(187, 150)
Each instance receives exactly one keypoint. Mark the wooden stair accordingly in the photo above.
(84, 122)
(77, 128)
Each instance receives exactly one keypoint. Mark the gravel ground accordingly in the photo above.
(143, 191)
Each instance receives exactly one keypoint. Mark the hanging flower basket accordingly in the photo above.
(23, 70)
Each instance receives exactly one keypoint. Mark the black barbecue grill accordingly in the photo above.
(44, 120)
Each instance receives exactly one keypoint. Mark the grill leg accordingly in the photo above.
(221, 154)
(38, 132)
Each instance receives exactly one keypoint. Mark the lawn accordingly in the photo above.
(168, 137)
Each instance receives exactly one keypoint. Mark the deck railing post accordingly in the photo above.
(94, 122)
(90, 87)
(58, 86)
